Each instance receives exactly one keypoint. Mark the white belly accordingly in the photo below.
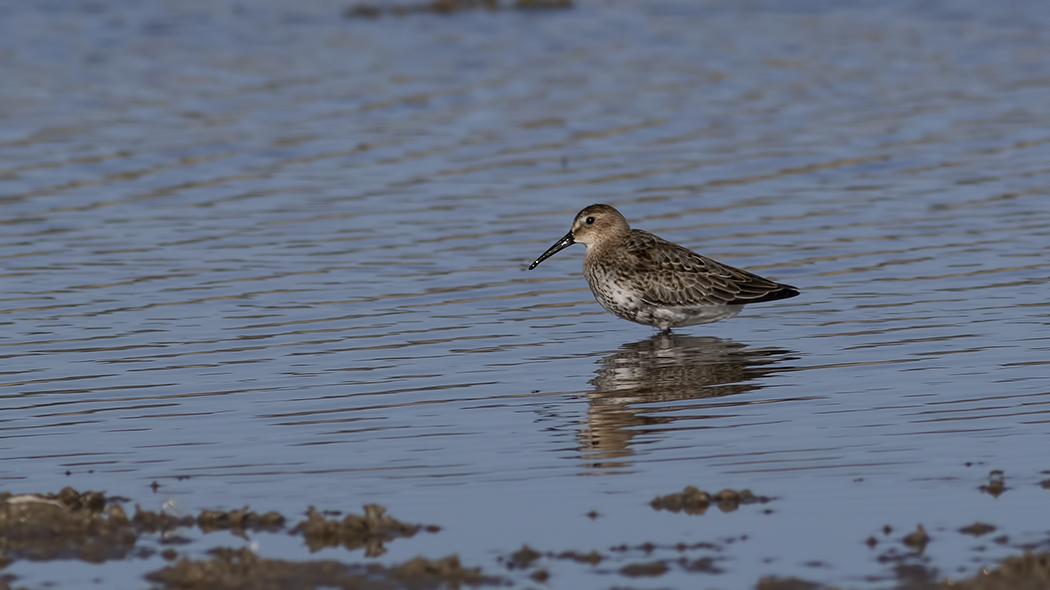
(632, 305)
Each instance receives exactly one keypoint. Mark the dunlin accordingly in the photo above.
(646, 279)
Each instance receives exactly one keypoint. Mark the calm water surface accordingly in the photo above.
(260, 253)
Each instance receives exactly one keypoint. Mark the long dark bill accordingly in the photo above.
(557, 247)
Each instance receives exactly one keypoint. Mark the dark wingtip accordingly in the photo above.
(782, 292)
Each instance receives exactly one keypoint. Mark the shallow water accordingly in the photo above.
(265, 254)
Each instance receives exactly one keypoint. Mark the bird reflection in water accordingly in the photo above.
(658, 372)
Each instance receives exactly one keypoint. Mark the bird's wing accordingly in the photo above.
(677, 276)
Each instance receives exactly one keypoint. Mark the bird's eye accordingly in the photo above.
(589, 221)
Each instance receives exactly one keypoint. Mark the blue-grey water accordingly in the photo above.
(262, 253)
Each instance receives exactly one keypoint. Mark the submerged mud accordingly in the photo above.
(91, 527)
(1029, 571)
(369, 530)
(646, 560)
(693, 500)
(67, 525)
(236, 569)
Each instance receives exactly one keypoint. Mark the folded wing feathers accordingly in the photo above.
(679, 276)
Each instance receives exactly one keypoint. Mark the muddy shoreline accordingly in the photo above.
(92, 527)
